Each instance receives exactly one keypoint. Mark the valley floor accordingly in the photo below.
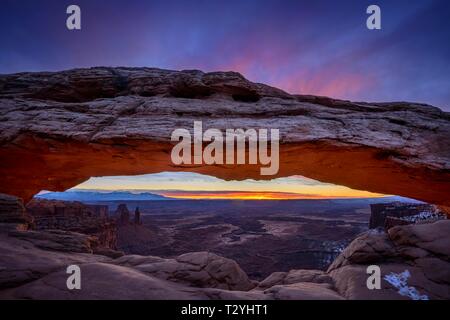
(262, 236)
(414, 261)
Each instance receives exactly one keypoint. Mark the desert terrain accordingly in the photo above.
(262, 236)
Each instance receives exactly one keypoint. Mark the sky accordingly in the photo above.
(307, 47)
(187, 185)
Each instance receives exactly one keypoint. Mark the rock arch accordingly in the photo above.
(59, 129)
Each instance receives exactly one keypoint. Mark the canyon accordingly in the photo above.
(261, 236)
(33, 266)
(58, 129)
(91, 220)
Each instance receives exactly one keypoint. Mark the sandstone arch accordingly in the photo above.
(59, 129)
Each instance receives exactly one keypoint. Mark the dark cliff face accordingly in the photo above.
(77, 217)
(13, 215)
(118, 121)
(122, 215)
(388, 215)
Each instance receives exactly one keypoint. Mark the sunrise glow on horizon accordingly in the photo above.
(241, 195)
(187, 185)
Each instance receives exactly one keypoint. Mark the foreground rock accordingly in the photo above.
(21, 261)
(421, 252)
(198, 269)
(414, 261)
(295, 276)
(59, 129)
(33, 266)
(30, 272)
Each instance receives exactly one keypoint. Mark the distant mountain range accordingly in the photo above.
(94, 196)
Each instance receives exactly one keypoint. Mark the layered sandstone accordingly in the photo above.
(59, 129)
(13, 215)
(75, 217)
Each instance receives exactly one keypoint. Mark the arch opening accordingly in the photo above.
(265, 226)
